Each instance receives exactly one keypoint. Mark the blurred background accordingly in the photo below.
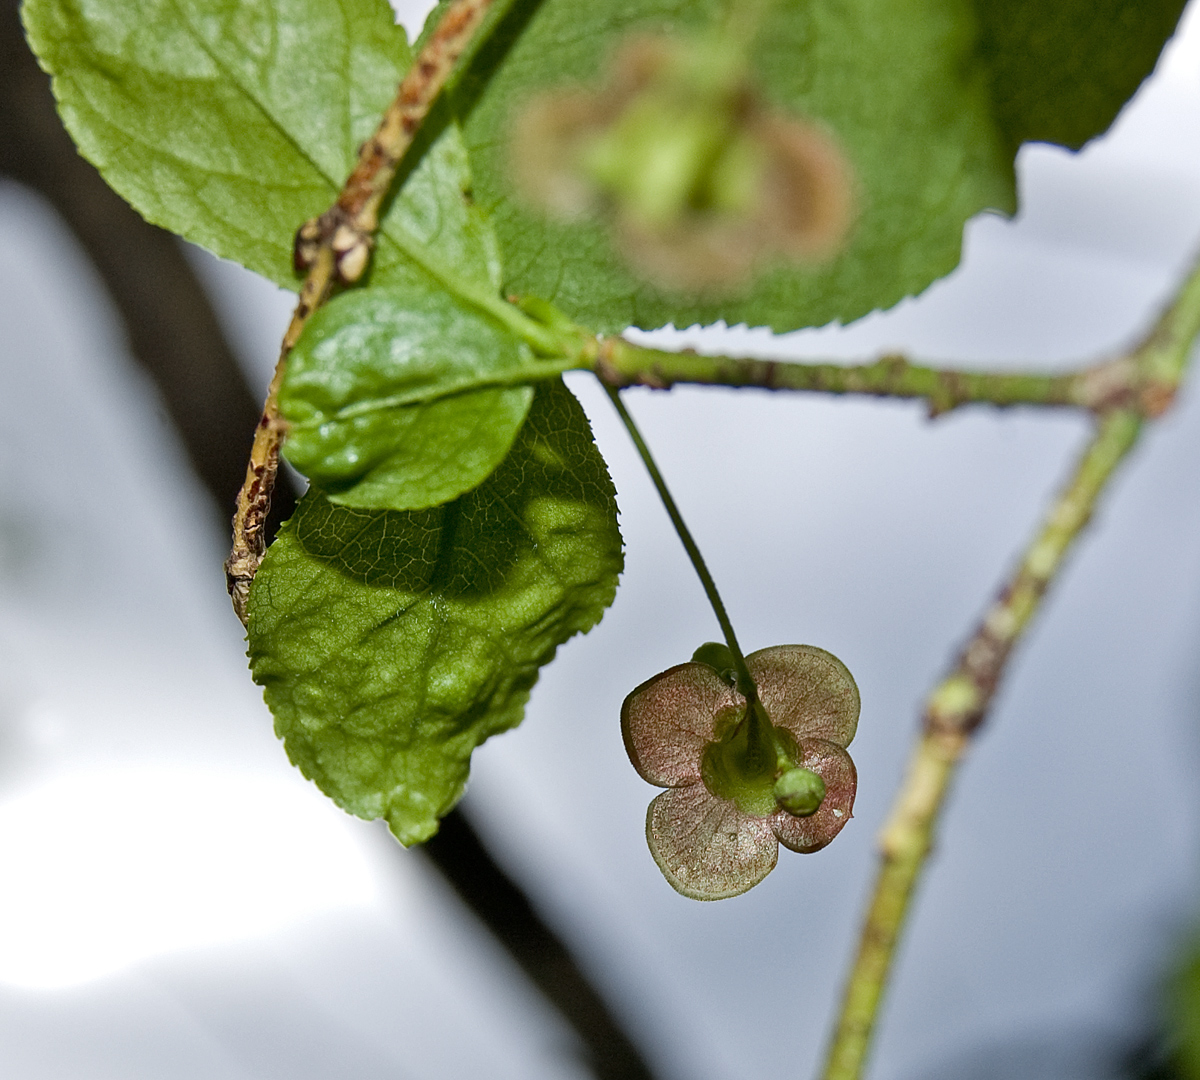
(178, 902)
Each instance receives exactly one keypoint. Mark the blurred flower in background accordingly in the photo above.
(702, 181)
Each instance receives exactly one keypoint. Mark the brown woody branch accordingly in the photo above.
(336, 248)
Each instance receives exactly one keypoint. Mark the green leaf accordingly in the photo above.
(232, 123)
(379, 393)
(433, 228)
(1061, 71)
(892, 80)
(925, 109)
(391, 644)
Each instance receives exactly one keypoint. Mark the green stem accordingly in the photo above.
(1162, 358)
(1144, 378)
(745, 681)
(621, 363)
(356, 208)
(954, 710)
(1140, 384)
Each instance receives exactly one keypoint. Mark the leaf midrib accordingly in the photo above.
(261, 106)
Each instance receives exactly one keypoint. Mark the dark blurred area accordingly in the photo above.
(172, 329)
(175, 336)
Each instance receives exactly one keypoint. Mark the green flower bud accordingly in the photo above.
(718, 657)
(800, 792)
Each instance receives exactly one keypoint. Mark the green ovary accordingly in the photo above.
(748, 757)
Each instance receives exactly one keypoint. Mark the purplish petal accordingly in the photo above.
(668, 720)
(807, 691)
(833, 765)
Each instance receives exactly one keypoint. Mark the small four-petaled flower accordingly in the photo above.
(716, 831)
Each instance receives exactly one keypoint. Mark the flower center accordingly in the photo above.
(677, 146)
(757, 766)
(665, 159)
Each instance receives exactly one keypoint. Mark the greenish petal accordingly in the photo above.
(668, 720)
(707, 848)
(833, 765)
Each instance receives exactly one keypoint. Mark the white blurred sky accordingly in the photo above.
(178, 902)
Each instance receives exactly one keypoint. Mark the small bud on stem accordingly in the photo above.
(800, 792)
